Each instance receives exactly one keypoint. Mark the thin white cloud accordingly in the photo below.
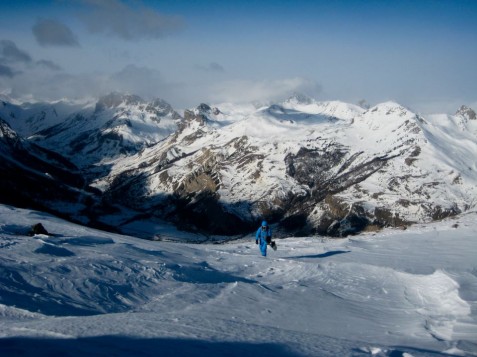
(143, 81)
(50, 32)
(211, 67)
(149, 83)
(53, 85)
(265, 90)
(117, 18)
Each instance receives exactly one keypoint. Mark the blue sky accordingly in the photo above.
(419, 53)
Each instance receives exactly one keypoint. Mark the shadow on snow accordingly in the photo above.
(323, 255)
(120, 346)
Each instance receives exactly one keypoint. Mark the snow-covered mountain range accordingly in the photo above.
(116, 126)
(32, 176)
(307, 166)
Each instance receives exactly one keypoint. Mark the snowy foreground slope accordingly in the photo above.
(83, 292)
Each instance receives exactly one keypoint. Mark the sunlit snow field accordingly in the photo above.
(83, 292)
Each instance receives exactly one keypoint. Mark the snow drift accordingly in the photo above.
(80, 291)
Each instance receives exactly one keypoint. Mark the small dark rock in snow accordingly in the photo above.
(38, 229)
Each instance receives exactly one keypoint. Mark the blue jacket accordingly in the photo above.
(262, 235)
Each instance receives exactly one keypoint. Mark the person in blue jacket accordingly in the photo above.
(264, 237)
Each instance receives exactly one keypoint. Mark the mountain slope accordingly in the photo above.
(85, 292)
(309, 167)
(29, 118)
(118, 125)
(310, 172)
(35, 177)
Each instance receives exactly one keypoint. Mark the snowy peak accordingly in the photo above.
(212, 113)
(162, 108)
(467, 113)
(119, 125)
(307, 166)
(299, 99)
(203, 115)
(29, 118)
(9, 139)
(7, 99)
(115, 100)
(340, 110)
(387, 118)
(118, 101)
(195, 116)
(6, 132)
(332, 109)
(203, 109)
(390, 108)
(384, 166)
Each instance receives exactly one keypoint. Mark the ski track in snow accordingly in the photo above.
(86, 292)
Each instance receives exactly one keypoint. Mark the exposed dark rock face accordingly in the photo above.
(206, 214)
(38, 229)
(311, 167)
(9, 139)
(33, 177)
(208, 178)
(116, 99)
(467, 112)
(327, 173)
(200, 117)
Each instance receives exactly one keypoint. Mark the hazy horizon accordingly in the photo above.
(420, 54)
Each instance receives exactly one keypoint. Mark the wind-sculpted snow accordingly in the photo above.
(396, 293)
(434, 297)
(73, 279)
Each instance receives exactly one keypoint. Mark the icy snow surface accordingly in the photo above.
(82, 292)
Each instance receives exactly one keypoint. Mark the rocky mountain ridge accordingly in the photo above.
(309, 167)
(119, 125)
(34, 177)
